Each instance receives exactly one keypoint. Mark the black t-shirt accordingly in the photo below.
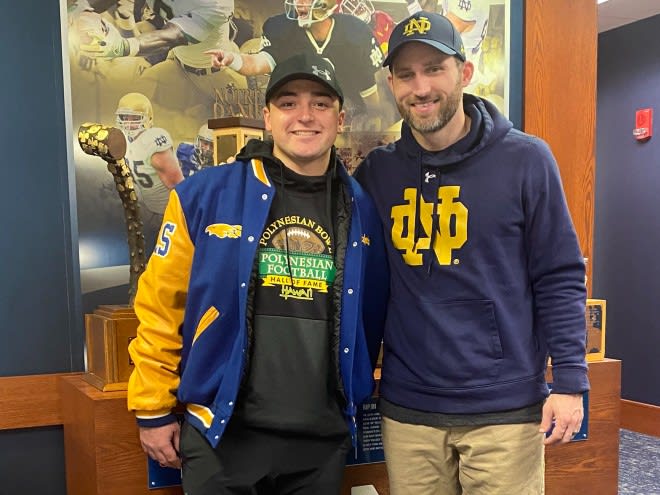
(291, 384)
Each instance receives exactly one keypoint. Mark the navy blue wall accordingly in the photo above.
(41, 332)
(627, 217)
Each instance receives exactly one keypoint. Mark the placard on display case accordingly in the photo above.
(595, 316)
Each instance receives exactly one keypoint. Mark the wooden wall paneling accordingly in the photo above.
(30, 401)
(560, 98)
(640, 417)
(79, 443)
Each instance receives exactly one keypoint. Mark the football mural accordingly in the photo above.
(141, 66)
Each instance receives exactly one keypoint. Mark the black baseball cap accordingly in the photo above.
(304, 66)
(426, 27)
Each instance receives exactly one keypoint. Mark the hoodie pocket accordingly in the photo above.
(449, 344)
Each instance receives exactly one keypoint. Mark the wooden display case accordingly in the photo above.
(230, 134)
(108, 332)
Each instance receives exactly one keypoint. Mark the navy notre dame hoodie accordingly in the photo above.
(487, 277)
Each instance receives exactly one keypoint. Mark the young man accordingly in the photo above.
(261, 308)
(487, 280)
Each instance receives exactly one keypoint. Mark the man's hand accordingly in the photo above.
(98, 38)
(567, 412)
(161, 443)
(223, 58)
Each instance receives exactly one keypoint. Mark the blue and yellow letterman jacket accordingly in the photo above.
(192, 300)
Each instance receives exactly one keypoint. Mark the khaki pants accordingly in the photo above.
(464, 460)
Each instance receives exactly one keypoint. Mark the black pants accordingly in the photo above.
(258, 462)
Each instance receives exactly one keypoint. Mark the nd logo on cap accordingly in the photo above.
(420, 25)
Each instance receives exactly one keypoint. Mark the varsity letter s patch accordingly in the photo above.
(165, 239)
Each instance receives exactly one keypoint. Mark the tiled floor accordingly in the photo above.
(639, 464)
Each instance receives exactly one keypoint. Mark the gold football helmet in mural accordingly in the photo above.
(307, 12)
(134, 114)
(204, 146)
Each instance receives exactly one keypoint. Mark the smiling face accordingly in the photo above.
(428, 87)
(304, 118)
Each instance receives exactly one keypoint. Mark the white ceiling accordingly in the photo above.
(615, 13)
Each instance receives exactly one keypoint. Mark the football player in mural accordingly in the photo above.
(174, 23)
(193, 157)
(315, 26)
(150, 157)
(180, 30)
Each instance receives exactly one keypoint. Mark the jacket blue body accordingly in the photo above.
(192, 298)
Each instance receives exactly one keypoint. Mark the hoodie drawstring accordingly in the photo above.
(435, 221)
(418, 222)
(329, 178)
(286, 232)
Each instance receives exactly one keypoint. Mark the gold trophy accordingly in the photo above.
(111, 327)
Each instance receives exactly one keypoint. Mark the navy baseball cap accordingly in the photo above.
(304, 66)
(426, 27)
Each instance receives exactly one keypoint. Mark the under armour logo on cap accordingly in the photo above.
(321, 73)
(304, 66)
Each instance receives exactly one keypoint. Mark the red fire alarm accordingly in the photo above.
(643, 124)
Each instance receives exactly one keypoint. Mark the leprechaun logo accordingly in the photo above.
(295, 254)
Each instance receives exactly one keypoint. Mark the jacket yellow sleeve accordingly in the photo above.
(159, 306)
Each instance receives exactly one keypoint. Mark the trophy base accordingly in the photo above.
(108, 331)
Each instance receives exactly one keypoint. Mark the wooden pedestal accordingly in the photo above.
(591, 467)
(108, 332)
(101, 443)
(103, 454)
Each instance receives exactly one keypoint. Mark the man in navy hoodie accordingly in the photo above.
(487, 281)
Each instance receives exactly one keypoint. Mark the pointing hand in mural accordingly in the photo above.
(246, 64)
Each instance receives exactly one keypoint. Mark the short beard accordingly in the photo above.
(446, 112)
